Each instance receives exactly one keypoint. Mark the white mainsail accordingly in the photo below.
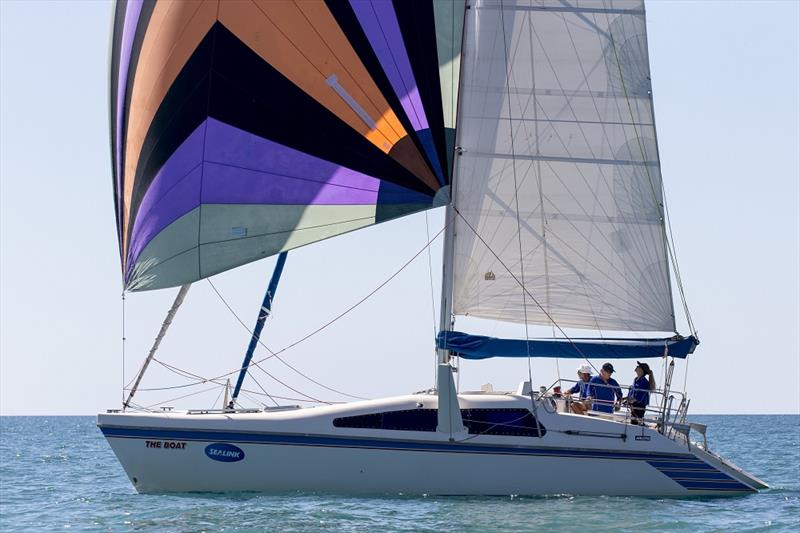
(556, 102)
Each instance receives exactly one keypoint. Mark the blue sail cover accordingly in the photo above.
(469, 346)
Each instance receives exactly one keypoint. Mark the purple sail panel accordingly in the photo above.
(132, 11)
(379, 22)
(177, 201)
(245, 169)
(220, 164)
(175, 191)
(224, 184)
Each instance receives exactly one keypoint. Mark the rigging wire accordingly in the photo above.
(149, 407)
(666, 223)
(675, 267)
(221, 390)
(263, 389)
(201, 379)
(433, 300)
(258, 366)
(123, 348)
(514, 277)
(218, 383)
(669, 244)
(252, 335)
(516, 206)
(364, 299)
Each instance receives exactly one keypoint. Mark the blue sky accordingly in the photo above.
(726, 83)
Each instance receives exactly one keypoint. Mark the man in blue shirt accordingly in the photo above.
(605, 391)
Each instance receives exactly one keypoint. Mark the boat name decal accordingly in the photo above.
(227, 453)
(165, 444)
(642, 437)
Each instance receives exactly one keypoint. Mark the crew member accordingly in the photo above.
(581, 388)
(605, 391)
(639, 392)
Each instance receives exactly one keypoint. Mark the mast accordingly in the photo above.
(164, 327)
(263, 313)
(449, 412)
(446, 305)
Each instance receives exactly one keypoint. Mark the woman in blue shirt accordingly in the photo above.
(639, 392)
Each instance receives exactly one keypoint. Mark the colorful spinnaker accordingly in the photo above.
(241, 129)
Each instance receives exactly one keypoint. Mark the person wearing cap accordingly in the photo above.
(605, 391)
(581, 388)
(639, 392)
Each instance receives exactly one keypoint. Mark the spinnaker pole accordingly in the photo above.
(164, 327)
(263, 313)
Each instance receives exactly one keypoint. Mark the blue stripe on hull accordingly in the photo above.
(684, 469)
(734, 486)
(688, 474)
(696, 464)
(359, 442)
(696, 477)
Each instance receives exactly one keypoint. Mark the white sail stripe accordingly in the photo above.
(563, 8)
(566, 93)
(564, 159)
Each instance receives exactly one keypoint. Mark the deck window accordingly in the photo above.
(516, 422)
(407, 420)
(512, 422)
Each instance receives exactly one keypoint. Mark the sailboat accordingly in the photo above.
(244, 130)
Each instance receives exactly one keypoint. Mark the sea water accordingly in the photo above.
(58, 473)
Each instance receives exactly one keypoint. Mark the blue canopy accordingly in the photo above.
(479, 347)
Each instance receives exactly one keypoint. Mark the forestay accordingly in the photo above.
(243, 129)
(555, 101)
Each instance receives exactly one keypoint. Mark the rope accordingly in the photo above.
(433, 301)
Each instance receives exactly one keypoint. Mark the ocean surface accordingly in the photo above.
(58, 473)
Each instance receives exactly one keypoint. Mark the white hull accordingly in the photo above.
(302, 450)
